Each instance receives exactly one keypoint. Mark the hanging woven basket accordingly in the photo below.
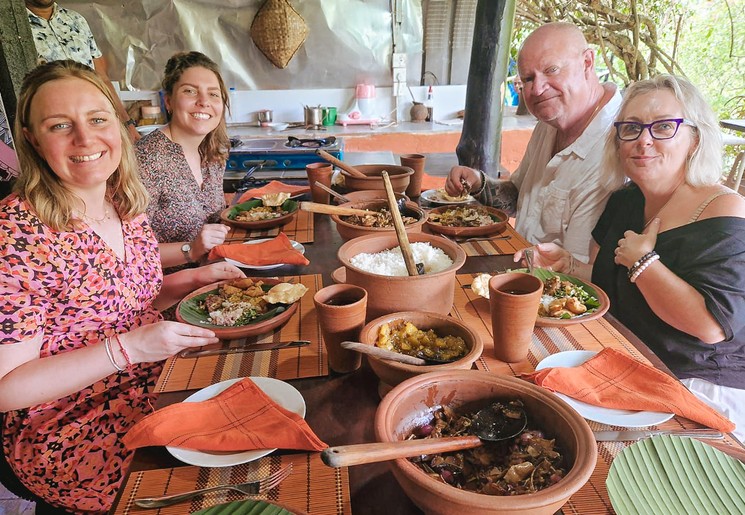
(278, 31)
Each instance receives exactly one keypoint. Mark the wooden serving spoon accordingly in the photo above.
(340, 164)
(489, 424)
(378, 352)
(331, 192)
(328, 209)
(398, 224)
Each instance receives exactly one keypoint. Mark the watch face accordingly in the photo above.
(185, 247)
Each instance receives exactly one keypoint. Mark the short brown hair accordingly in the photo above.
(214, 147)
(39, 185)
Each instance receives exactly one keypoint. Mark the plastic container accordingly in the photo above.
(151, 115)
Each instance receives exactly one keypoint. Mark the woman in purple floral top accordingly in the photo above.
(182, 165)
(80, 289)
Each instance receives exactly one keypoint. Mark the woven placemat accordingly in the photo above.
(311, 488)
(181, 374)
(299, 229)
(504, 243)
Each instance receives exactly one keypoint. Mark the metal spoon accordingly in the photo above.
(528, 253)
(492, 424)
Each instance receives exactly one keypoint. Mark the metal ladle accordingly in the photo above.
(491, 424)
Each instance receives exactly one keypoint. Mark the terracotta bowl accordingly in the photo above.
(227, 216)
(399, 176)
(500, 222)
(363, 195)
(409, 403)
(389, 294)
(392, 373)
(349, 230)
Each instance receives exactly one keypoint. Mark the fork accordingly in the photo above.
(476, 238)
(249, 488)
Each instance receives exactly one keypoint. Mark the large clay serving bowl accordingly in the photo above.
(388, 294)
(498, 217)
(409, 404)
(392, 373)
(363, 195)
(399, 176)
(348, 230)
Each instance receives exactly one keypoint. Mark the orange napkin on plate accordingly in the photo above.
(432, 183)
(242, 418)
(273, 252)
(612, 379)
(273, 187)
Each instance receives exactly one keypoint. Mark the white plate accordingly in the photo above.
(432, 196)
(280, 392)
(147, 129)
(295, 245)
(612, 417)
(276, 126)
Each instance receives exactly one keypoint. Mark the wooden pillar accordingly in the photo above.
(480, 140)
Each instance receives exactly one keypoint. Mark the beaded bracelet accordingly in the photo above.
(483, 184)
(643, 267)
(639, 262)
(572, 264)
(110, 354)
(124, 352)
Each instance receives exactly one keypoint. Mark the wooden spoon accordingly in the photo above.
(489, 424)
(340, 164)
(328, 209)
(398, 224)
(331, 192)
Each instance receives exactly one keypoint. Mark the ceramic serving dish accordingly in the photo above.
(228, 215)
(348, 230)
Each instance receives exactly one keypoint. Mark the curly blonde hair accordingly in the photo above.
(215, 145)
(37, 183)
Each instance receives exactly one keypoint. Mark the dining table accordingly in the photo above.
(341, 407)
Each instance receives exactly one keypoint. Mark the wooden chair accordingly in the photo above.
(734, 178)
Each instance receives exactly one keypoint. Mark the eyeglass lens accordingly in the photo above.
(661, 129)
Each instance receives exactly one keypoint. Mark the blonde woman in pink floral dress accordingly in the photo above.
(80, 289)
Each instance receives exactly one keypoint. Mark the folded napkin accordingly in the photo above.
(242, 418)
(432, 183)
(612, 379)
(277, 251)
(273, 187)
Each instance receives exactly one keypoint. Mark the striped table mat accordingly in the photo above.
(299, 229)
(311, 488)
(310, 361)
(592, 335)
(497, 245)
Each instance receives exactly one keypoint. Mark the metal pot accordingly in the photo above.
(265, 116)
(313, 116)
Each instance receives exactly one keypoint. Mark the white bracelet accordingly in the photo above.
(110, 354)
(571, 264)
(643, 267)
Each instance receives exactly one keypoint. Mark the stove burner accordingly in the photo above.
(294, 142)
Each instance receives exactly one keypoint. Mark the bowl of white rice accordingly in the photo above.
(375, 263)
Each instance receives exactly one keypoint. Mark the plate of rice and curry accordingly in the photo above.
(241, 308)
(271, 210)
(566, 300)
(467, 220)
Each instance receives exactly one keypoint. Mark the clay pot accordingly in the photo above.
(399, 176)
(386, 294)
(392, 373)
(349, 230)
(363, 195)
(409, 403)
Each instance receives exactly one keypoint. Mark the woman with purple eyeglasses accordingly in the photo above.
(669, 249)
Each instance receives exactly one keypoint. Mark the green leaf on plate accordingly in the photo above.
(244, 508)
(193, 314)
(287, 205)
(675, 475)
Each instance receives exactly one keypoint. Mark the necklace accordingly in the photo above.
(106, 216)
(663, 205)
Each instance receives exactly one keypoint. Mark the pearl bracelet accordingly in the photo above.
(645, 264)
(633, 268)
(110, 354)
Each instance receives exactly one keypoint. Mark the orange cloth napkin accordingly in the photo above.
(273, 252)
(612, 379)
(432, 183)
(273, 187)
(242, 418)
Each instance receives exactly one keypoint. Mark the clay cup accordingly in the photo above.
(322, 173)
(341, 311)
(416, 163)
(514, 298)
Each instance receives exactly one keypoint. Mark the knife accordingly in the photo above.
(632, 436)
(211, 351)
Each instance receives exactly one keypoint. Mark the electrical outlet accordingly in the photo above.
(399, 60)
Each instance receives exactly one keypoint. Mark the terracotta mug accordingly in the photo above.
(416, 163)
(322, 173)
(341, 311)
(513, 298)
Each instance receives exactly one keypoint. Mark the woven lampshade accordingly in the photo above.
(278, 31)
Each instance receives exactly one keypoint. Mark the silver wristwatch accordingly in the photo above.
(186, 249)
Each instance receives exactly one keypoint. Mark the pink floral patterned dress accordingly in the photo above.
(71, 288)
